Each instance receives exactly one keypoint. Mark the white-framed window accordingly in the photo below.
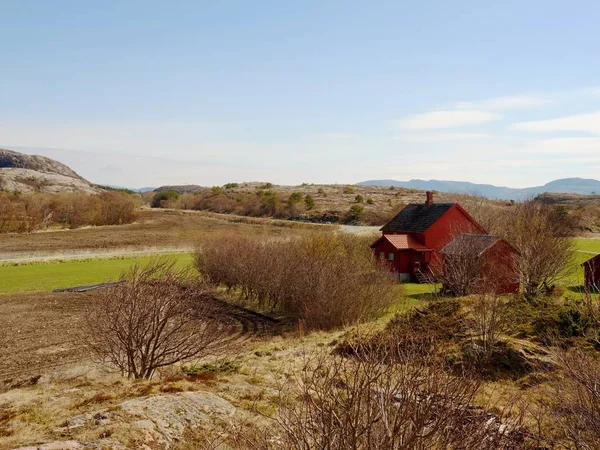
(382, 255)
(391, 257)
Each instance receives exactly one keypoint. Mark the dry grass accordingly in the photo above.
(330, 203)
(153, 228)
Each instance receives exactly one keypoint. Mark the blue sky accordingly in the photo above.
(150, 93)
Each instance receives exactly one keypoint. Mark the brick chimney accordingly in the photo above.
(429, 201)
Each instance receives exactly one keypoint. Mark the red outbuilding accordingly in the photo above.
(475, 263)
(591, 269)
(411, 241)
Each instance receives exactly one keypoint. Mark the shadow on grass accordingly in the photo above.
(580, 289)
(426, 296)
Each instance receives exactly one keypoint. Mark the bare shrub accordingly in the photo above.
(27, 213)
(576, 399)
(460, 269)
(115, 208)
(156, 318)
(323, 280)
(409, 402)
(542, 238)
(490, 317)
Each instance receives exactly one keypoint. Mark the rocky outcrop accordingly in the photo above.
(31, 173)
(14, 160)
(164, 418)
(157, 420)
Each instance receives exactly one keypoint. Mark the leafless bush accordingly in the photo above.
(576, 399)
(27, 213)
(156, 318)
(490, 317)
(322, 279)
(542, 239)
(476, 263)
(409, 402)
(460, 269)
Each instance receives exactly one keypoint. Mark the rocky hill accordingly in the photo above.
(32, 173)
(181, 189)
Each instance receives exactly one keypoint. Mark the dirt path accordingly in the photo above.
(587, 252)
(360, 230)
(91, 253)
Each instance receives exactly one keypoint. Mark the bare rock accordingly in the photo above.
(58, 445)
(94, 418)
(164, 418)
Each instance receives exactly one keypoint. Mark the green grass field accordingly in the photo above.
(63, 274)
(588, 245)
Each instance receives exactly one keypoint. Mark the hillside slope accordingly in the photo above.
(31, 173)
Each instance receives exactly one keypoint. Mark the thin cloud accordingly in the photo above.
(442, 137)
(447, 119)
(507, 102)
(337, 136)
(587, 123)
(568, 145)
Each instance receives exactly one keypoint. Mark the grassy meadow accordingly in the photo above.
(588, 245)
(44, 277)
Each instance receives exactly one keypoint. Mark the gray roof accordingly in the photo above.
(477, 242)
(417, 217)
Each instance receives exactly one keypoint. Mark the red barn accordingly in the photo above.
(591, 270)
(479, 263)
(410, 242)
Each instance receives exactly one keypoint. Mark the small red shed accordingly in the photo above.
(484, 262)
(410, 242)
(591, 269)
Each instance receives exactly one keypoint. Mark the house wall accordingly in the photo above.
(401, 262)
(499, 268)
(404, 261)
(452, 223)
(592, 272)
(387, 248)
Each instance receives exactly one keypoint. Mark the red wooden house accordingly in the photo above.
(480, 263)
(411, 241)
(591, 269)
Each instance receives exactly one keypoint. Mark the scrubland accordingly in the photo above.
(350, 360)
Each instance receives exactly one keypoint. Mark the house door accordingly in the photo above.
(416, 260)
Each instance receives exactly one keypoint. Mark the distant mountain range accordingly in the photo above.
(563, 186)
(138, 190)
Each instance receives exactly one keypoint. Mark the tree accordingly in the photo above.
(356, 213)
(155, 318)
(161, 198)
(295, 197)
(542, 238)
(309, 201)
(358, 198)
